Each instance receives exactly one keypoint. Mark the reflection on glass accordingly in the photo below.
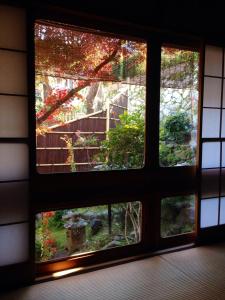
(178, 107)
(90, 100)
(177, 215)
(68, 232)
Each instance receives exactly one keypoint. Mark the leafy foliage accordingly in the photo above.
(175, 134)
(176, 128)
(124, 146)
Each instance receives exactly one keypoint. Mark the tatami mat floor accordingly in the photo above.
(197, 273)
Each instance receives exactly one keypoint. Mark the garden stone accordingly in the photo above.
(119, 237)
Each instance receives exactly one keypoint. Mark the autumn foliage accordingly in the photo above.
(83, 57)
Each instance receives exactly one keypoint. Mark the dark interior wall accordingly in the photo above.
(191, 17)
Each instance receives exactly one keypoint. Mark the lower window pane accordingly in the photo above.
(177, 215)
(68, 232)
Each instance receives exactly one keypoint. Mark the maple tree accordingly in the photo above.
(85, 57)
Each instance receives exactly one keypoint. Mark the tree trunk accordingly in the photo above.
(91, 96)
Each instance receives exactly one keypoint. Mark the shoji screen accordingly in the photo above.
(213, 139)
(13, 137)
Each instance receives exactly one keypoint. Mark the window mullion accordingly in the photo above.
(153, 104)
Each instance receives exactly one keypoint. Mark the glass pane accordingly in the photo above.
(14, 244)
(213, 61)
(13, 72)
(212, 92)
(223, 123)
(210, 183)
(209, 212)
(12, 28)
(222, 210)
(90, 100)
(211, 123)
(13, 161)
(178, 107)
(13, 202)
(13, 116)
(68, 232)
(211, 155)
(177, 215)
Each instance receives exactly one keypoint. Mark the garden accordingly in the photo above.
(74, 231)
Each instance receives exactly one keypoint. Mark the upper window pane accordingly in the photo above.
(90, 100)
(178, 107)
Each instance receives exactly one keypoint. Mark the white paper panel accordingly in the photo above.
(213, 61)
(13, 202)
(14, 244)
(212, 92)
(13, 72)
(12, 28)
(223, 123)
(209, 212)
(13, 116)
(211, 123)
(222, 210)
(13, 161)
(211, 155)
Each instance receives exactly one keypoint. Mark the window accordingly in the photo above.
(90, 100)
(101, 106)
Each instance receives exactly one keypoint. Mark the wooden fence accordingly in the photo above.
(52, 151)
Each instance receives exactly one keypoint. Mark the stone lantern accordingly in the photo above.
(76, 235)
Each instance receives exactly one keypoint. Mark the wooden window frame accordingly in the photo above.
(48, 191)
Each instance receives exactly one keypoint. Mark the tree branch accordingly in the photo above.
(72, 92)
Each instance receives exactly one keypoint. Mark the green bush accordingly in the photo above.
(124, 146)
(176, 128)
